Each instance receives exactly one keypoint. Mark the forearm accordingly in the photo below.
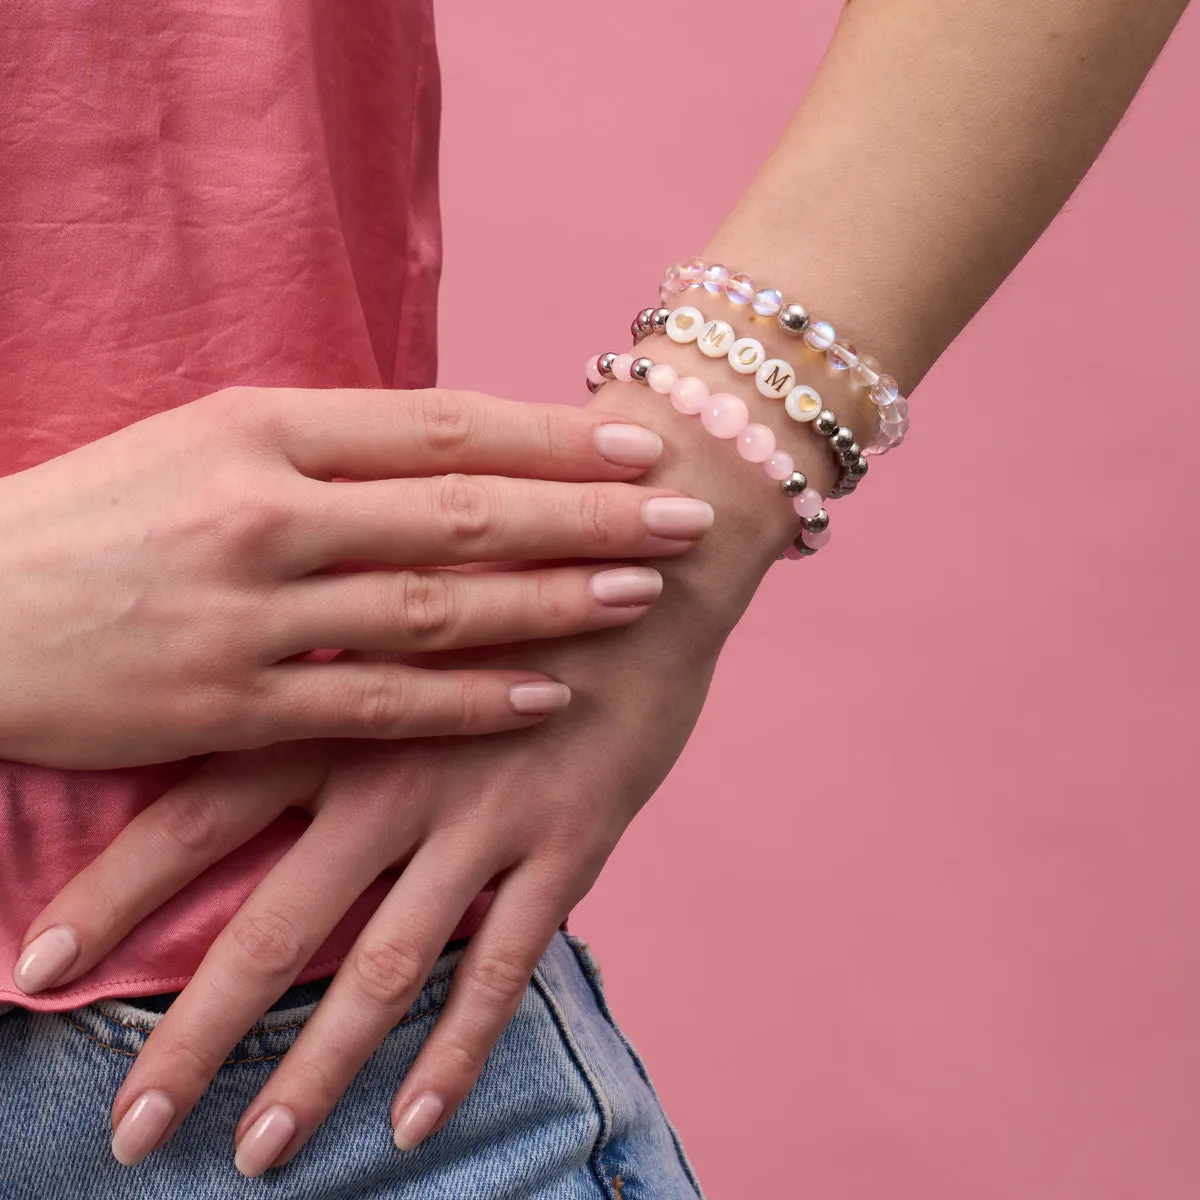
(935, 144)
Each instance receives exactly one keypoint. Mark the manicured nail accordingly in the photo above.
(668, 517)
(265, 1141)
(416, 1123)
(531, 699)
(142, 1127)
(45, 959)
(627, 585)
(628, 445)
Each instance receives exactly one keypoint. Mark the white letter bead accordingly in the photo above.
(802, 404)
(746, 355)
(715, 339)
(684, 324)
(775, 378)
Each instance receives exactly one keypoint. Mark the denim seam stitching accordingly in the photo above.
(593, 1085)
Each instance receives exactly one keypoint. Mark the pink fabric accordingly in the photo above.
(192, 195)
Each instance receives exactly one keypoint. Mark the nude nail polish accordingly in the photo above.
(265, 1141)
(536, 699)
(671, 517)
(420, 1117)
(142, 1127)
(624, 586)
(628, 445)
(46, 959)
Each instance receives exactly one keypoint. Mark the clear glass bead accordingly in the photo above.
(886, 391)
(768, 302)
(692, 271)
(843, 356)
(866, 370)
(715, 279)
(819, 335)
(740, 289)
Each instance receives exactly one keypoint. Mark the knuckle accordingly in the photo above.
(461, 1060)
(426, 602)
(553, 604)
(191, 821)
(472, 704)
(387, 974)
(182, 1060)
(465, 507)
(446, 420)
(498, 980)
(595, 515)
(378, 707)
(270, 943)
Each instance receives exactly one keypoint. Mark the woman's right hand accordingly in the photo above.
(160, 583)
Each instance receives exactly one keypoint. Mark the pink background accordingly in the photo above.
(969, 964)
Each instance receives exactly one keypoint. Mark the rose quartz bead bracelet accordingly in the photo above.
(725, 416)
(773, 377)
(794, 319)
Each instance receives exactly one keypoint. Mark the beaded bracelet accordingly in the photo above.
(794, 319)
(725, 416)
(774, 378)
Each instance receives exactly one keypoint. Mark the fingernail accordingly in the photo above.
(536, 698)
(628, 445)
(142, 1127)
(45, 959)
(265, 1141)
(666, 516)
(627, 585)
(416, 1123)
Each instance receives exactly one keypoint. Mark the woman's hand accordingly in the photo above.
(533, 815)
(158, 581)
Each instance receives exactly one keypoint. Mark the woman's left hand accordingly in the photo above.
(534, 815)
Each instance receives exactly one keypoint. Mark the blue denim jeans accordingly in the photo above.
(564, 1109)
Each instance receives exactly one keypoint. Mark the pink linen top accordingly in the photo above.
(195, 194)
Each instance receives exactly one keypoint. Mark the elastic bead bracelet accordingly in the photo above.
(795, 320)
(773, 377)
(725, 416)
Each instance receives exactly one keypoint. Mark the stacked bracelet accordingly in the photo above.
(773, 377)
(725, 416)
(818, 335)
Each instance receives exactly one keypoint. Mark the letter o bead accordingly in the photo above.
(803, 404)
(746, 355)
(684, 324)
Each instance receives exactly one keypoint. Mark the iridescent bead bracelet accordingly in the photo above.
(773, 377)
(725, 416)
(818, 335)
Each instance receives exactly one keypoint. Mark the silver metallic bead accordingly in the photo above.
(850, 455)
(827, 424)
(818, 523)
(793, 319)
(604, 365)
(803, 550)
(644, 317)
(593, 387)
(641, 368)
(794, 484)
(658, 321)
(858, 468)
(842, 439)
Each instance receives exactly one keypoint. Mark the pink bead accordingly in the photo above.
(814, 541)
(725, 415)
(780, 465)
(662, 378)
(792, 553)
(622, 367)
(593, 370)
(688, 395)
(808, 503)
(756, 443)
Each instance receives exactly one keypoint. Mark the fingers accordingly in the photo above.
(386, 700)
(251, 964)
(455, 519)
(488, 987)
(368, 433)
(223, 804)
(371, 992)
(398, 611)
